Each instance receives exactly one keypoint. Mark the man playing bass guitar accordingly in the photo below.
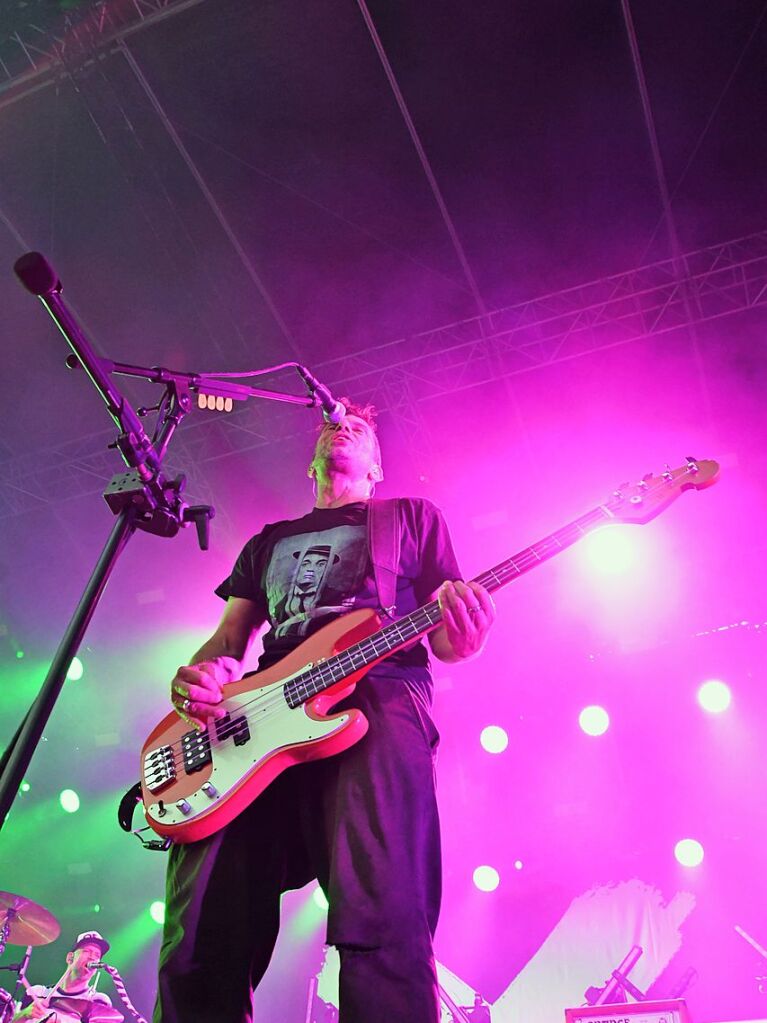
(363, 822)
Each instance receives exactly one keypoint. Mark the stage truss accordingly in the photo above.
(400, 376)
(36, 53)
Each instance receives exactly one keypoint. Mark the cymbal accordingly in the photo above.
(30, 924)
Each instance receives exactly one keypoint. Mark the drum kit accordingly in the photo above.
(24, 922)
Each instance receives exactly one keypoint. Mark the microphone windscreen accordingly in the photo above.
(36, 274)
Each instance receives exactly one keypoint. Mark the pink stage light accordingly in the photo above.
(494, 739)
(486, 878)
(689, 852)
(594, 720)
(714, 696)
(611, 551)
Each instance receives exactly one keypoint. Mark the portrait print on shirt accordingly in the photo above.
(314, 574)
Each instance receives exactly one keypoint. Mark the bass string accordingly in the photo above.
(501, 574)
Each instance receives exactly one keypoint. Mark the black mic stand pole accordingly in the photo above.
(142, 498)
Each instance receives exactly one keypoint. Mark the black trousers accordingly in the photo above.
(365, 824)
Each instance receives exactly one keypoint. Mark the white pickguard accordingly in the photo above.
(273, 726)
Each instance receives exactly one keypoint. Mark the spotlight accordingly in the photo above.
(714, 696)
(611, 551)
(69, 800)
(486, 878)
(594, 720)
(689, 852)
(494, 739)
(76, 669)
(157, 912)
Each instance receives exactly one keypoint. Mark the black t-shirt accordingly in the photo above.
(303, 572)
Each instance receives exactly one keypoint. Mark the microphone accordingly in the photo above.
(36, 274)
(97, 966)
(332, 411)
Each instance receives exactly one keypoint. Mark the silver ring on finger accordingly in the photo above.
(474, 610)
(186, 704)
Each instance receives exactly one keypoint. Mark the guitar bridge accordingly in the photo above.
(159, 768)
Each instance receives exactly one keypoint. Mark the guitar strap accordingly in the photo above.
(384, 541)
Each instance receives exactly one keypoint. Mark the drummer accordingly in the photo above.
(78, 982)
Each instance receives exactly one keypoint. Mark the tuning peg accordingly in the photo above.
(692, 463)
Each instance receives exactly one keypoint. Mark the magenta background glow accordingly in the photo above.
(533, 127)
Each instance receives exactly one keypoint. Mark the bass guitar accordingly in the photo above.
(194, 782)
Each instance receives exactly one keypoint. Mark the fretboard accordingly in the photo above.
(316, 678)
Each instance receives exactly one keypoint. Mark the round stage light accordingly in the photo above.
(157, 912)
(494, 739)
(319, 899)
(75, 670)
(486, 878)
(714, 696)
(69, 800)
(611, 551)
(594, 720)
(689, 852)
(518, 864)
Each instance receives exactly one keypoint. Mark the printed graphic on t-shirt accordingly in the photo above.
(314, 574)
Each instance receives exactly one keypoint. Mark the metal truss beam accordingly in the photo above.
(33, 56)
(401, 375)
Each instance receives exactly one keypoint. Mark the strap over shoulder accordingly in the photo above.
(384, 541)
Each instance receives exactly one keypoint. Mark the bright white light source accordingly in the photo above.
(689, 852)
(594, 720)
(486, 878)
(157, 912)
(611, 551)
(70, 801)
(75, 670)
(494, 739)
(518, 864)
(319, 898)
(714, 696)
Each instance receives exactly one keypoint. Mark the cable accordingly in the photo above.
(122, 992)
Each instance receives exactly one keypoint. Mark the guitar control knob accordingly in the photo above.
(184, 806)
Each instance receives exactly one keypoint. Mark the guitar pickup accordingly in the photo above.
(237, 728)
(195, 751)
(159, 768)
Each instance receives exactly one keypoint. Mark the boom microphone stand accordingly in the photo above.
(142, 497)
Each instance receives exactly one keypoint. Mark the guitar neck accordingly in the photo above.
(316, 678)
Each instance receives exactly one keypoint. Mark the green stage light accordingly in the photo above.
(96, 907)
(25, 786)
(20, 654)
(70, 801)
(75, 670)
(157, 912)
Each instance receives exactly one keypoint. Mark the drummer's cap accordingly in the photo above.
(91, 938)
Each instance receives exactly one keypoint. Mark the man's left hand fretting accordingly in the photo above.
(468, 612)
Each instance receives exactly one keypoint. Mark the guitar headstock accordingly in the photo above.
(640, 502)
